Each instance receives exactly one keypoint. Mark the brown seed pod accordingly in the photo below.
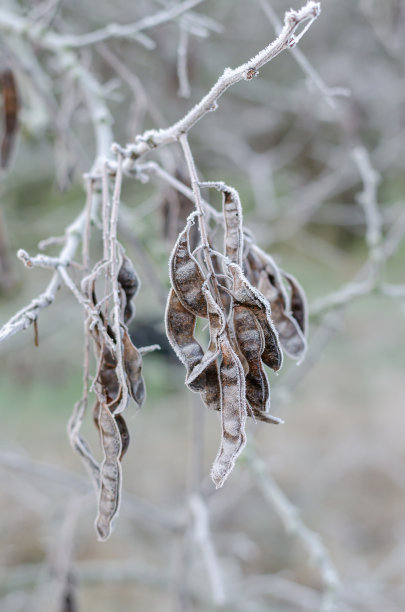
(269, 265)
(107, 378)
(233, 226)
(205, 374)
(216, 326)
(130, 284)
(245, 294)
(133, 369)
(186, 275)
(110, 473)
(250, 339)
(180, 326)
(299, 304)
(233, 413)
(10, 115)
(124, 433)
(291, 338)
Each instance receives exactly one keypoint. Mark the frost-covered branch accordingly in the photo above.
(151, 139)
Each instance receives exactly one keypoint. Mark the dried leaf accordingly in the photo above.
(110, 473)
(233, 413)
(186, 275)
(245, 294)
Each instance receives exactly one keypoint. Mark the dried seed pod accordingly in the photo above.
(124, 433)
(10, 115)
(233, 225)
(130, 284)
(250, 339)
(233, 413)
(274, 274)
(290, 335)
(204, 375)
(216, 326)
(247, 295)
(110, 473)
(186, 275)
(299, 304)
(133, 369)
(107, 377)
(180, 325)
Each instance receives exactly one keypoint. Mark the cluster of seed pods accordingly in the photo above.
(113, 394)
(251, 318)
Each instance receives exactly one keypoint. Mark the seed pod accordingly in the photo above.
(186, 275)
(124, 433)
(247, 295)
(233, 226)
(233, 413)
(254, 266)
(205, 374)
(180, 325)
(110, 474)
(299, 304)
(289, 333)
(250, 339)
(10, 115)
(133, 368)
(216, 326)
(130, 284)
(274, 275)
(107, 377)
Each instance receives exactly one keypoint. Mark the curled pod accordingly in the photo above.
(205, 374)
(290, 335)
(233, 413)
(250, 338)
(132, 362)
(254, 266)
(110, 472)
(180, 326)
(124, 433)
(274, 274)
(233, 239)
(107, 377)
(130, 284)
(245, 294)
(299, 304)
(186, 275)
(217, 323)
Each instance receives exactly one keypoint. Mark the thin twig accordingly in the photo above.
(153, 138)
(293, 524)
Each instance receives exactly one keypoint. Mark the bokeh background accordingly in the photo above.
(286, 142)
